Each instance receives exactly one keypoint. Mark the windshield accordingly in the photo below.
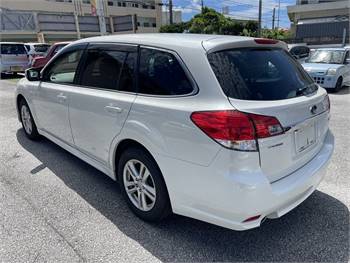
(260, 74)
(12, 49)
(327, 57)
(41, 48)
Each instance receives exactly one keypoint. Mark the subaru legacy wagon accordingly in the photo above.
(228, 130)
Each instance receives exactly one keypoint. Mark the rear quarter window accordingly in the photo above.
(160, 73)
(260, 74)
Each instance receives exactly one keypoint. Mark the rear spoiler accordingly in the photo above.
(218, 44)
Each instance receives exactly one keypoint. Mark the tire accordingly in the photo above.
(145, 187)
(339, 84)
(27, 121)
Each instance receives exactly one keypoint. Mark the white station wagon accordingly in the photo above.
(228, 130)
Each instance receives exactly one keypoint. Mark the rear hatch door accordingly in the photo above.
(266, 80)
(13, 55)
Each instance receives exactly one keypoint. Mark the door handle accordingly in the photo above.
(113, 109)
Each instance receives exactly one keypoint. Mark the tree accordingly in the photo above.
(208, 22)
(175, 28)
(212, 22)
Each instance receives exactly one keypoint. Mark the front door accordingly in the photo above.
(52, 97)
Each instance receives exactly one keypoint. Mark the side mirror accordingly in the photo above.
(347, 61)
(32, 74)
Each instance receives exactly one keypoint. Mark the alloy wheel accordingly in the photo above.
(139, 185)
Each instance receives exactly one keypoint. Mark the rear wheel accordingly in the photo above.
(27, 120)
(339, 84)
(142, 185)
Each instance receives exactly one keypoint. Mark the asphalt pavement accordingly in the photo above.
(56, 208)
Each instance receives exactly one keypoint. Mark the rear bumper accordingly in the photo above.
(227, 199)
(20, 67)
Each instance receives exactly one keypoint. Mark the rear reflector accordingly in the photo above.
(265, 41)
(236, 130)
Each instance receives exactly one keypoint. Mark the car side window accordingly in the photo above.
(109, 69)
(64, 68)
(160, 73)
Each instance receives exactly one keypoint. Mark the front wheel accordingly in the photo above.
(27, 121)
(339, 84)
(142, 185)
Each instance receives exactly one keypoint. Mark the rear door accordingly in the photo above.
(269, 82)
(100, 105)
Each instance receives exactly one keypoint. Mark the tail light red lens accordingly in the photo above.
(235, 129)
(265, 41)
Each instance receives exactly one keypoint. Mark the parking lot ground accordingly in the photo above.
(56, 208)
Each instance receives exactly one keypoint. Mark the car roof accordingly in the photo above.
(12, 43)
(36, 43)
(172, 41)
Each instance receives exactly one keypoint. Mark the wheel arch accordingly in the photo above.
(128, 143)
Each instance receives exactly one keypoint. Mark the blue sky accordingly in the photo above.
(247, 9)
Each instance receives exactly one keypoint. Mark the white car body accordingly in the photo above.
(12, 62)
(205, 180)
(327, 75)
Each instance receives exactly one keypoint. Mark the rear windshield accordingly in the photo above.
(260, 74)
(41, 48)
(12, 49)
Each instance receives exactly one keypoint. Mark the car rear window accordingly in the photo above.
(12, 49)
(260, 74)
(41, 48)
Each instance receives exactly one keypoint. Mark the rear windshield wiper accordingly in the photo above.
(303, 90)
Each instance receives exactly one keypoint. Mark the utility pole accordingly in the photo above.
(101, 16)
(278, 14)
(260, 14)
(171, 20)
(202, 6)
(273, 18)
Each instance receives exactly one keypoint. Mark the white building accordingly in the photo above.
(177, 17)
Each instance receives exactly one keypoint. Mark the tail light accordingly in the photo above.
(326, 103)
(236, 130)
(265, 41)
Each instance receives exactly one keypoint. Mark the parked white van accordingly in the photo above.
(13, 57)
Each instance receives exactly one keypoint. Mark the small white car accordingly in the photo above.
(13, 57)
(329, 67)
(36, 50)
(228, 130)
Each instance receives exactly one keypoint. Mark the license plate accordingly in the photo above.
(305, 137)
(16, 68)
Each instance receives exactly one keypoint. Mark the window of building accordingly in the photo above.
(160, 73)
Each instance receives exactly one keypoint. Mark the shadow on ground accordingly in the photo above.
(11, 76)
(318, 230)
(343, 90)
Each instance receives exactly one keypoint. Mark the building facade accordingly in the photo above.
(60, 20)
(320, 21)
(177, 17)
